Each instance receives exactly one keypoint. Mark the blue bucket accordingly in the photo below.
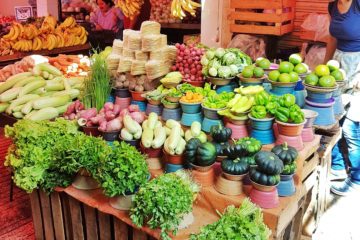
(169, 168)
(337, 92)
(111, 98)
(154, 108)
(190, 107)
(264, 136)
(188, 118)
(286, 186)
(319, 97)
(174, 114)
(261, 124)
(142, 105)
(281, 90)
(300, 97)
(338, 106)
(227, 88)
(208, 123)
(326, 115)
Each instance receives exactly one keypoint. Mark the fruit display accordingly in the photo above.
(161, 12)
(179, 7)
(195, 132)
(252, 72)
(188, 62)
(200, 154)
(287, 110)
(325, 75)
(289, 71)
(49, 36)
(130, 8)
(224, 63)
(4, 28)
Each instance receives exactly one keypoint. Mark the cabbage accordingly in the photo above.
(213, 72)
(234, 70)
(214, 64)
(210, 54)
(224, 72)
(204, 61)
(219, 52)
(229, 58)
(205, 71)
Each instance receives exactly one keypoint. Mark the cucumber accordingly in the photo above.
(11, 81)
(32, 87)
(46, 102)
(44, 114)
(10, 94)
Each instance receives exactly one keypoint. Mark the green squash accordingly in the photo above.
(249, 159)
(286, 153)
(234, 167)
(220, 134)
(263, 178)
(190, 149)
(250, 145)
(289, 169)
(233, 151)
(269, 163)
(205, 154)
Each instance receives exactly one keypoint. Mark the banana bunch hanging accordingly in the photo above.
(178, 8)
(130, 8)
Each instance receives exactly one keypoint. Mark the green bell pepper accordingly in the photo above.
(258, 112)
(262, 98)
(287, 100)
(296, 115)
(271, 107)
(282, 114)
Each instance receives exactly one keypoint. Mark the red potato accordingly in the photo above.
(113, 125)
(116, 109)
(109, 115)
(108, 106)
(87, 114)
(124, 112)
(102, 126)
(138, 116)
(134, 108)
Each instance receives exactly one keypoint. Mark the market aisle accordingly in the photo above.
(15, 219)
(341, 220)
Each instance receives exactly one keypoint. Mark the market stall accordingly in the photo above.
(146, 138)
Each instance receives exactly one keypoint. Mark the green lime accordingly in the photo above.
(274, 75)
(333, 65)
(312, 79)
(322, 70)
(294, 76)
(295, 58)
(258, 72)
(286, 67)
(247, 72)
(337, 74)
(327, 81)
(258, 60)
(264, 63)
(285, 78)
(300, 68)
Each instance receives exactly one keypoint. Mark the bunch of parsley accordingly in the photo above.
(243, 223)
(163, 202)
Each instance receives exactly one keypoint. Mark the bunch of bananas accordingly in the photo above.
(49, 36)
(179, 6)
(130, 8)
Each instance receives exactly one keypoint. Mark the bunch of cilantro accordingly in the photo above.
(243, 223)
(123, 171)
(164, 201)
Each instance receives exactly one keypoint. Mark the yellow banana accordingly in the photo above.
(16, 34)
(83, 41)
(10, 34)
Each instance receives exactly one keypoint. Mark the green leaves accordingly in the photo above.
(245, 222)
(163, 202)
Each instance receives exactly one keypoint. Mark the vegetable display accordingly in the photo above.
(250, 145)
(172, 78)
(288, 110)
(326, 75)
(174, 143)
(163, 202)
(123, 170)
(245, 222)
(218, 101)
(220, 134)
(200, 154)
(224, 63)
(154, 134)
(234, 166)
(191, 97)
(288, 156)
(195, 132)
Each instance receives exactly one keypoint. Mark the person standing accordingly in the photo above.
(344, 46)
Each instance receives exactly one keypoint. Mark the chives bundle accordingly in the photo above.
(97, 85)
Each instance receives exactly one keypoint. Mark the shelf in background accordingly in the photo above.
(188, 26)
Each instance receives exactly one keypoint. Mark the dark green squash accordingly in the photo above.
(190, 149)
(220, 134)
(250, 145)
(234, 167)
(263, 178)
(249, 159)
(233, 151)
(286, 153)
(205, 154)
(289, 169)
(269, 163)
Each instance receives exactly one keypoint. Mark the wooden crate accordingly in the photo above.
(248, 17)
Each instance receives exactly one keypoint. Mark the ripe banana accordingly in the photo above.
(179, 6)
(130, 8)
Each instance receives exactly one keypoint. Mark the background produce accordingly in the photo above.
(325, 75)
(24, 65)
(178, 8)
(130, 8)
(161, 12)
(71, 65)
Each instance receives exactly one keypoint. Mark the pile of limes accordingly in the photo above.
(325, 75)
(289, 70)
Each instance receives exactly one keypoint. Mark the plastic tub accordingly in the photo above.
(195, 83)
(286, 186)
(190, 107)
(264, 136)
(142, 105)
(154, 108)
(173, 159)
(121, 92)
(266, 200)
(281, 90)
(169, 168)
(293, 141)
(110, 98)
(135, 142)
(307, 134)
(319, 97)
(171, 114)
(110, 136)
(219, 81)
(188, 118)
(310, 117)
(136, 96)
(227, 88)
(326, 113)
(151, 152)
(238, 131)
(290, 129)
(91, 131)
(261, 124)
(205, 179)
(211, 113)
(208, 123)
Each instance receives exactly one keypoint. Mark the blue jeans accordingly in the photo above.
(351, 134)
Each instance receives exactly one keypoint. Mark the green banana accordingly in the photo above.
(246, 107)
(240, 103)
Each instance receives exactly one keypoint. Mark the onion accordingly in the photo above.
(113, 125)
(138, 116)
(182, 47)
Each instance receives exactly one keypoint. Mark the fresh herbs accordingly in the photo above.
(123, 171)
(163, 202)
(245, 222)
(97, 86)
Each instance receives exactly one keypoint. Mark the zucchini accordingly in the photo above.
(195, 128)
(39, 91)
(20, 101)
(18, 108)
(125, 135)
(144, 124)
(41, 67)
(73, 93)
(152, 119)
(45, 102)
(147, 137)
(18, 114)
(54, 86)
(44, 114)
(32, 87)
(66, 84)
(3, 107)
(159, 137)
(10, 94)
(27, 107)
(170, 123)
(130, 124)
(11, 81)
(27, 80)
(180, 147)
(174, 138)
(30, 114)
(75, 80)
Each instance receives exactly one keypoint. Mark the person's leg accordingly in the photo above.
(351, 132)
(338, 166)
